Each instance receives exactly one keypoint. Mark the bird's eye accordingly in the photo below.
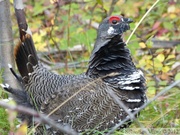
(114, 19)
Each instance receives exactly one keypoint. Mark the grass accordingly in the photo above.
(4, 123)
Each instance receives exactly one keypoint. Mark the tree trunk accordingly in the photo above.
(6, 43)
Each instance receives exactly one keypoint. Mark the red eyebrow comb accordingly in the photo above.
(114, 18)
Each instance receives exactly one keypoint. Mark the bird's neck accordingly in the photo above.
(110, 57)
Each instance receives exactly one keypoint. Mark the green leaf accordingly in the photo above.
(178, 48)
(163, 83)
(151, 83)
(177, 77)
(168, 25)
(100, 2)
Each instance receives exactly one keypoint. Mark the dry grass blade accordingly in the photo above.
(142, 20)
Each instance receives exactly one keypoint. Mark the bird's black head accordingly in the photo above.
(112, 26)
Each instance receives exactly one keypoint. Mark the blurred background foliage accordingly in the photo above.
(64, 32)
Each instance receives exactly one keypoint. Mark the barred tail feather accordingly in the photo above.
(25, 55)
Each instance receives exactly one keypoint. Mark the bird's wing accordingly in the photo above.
(86, 103)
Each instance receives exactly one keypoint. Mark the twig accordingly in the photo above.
(112, 7)
(142, 107)
(59, 65)
(68, 37)
(66, 2)
(42, 118)
(52, 28)
(92, 12)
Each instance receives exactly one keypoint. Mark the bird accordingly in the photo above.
(97, 99)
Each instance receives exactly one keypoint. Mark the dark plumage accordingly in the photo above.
(89, 97)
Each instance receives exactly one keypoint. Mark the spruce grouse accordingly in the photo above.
(91, 97)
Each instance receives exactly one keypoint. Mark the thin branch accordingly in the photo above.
(66, 2)
(52, 28)
(112, 7)
(58, 65)
(92, 12)
(41, 117)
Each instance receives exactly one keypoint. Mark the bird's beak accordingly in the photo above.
(127, 20)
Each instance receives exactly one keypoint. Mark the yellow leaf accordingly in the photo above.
(22, 130)
(142, 45)
(172, 16)
(160, 57)
(79, 30)
(106, 8)
(171, 56)
(165, 69)
(39, 43)
(43, 33)
(36, 37)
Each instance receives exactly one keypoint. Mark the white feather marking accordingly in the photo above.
(5, 85)
(54, 132)
(133, 100)
(129, 88)
(28, 31)
(128, 82)
(79, 115)
(122, 19)
(59, 120)
(67, 116)
(80, 99)
(129, 110)
(110, 30)
(136, 109)
(47, 126)
(9, 65)
(77, 108)
(133, 78)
